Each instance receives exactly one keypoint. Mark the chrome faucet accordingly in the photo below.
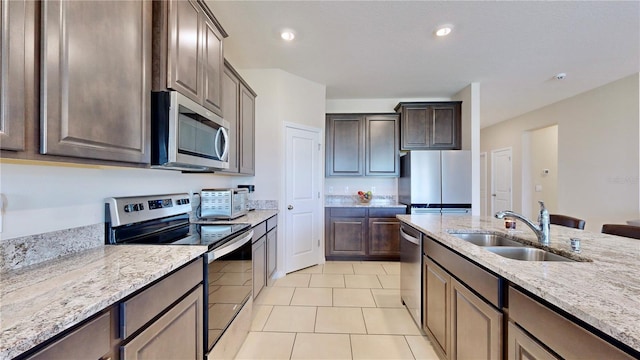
(541, 230)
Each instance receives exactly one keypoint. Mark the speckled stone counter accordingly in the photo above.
(603, 292)
(253, 217)
(373, 203)
(40, 301)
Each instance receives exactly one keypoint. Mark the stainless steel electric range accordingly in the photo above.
(164, 220)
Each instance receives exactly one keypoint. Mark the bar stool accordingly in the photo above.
(567, 221)
(629, 231)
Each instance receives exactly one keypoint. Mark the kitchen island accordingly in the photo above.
(601, 288)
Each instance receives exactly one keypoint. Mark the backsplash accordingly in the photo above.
(263, 204)
(351, 199)
(29, 250)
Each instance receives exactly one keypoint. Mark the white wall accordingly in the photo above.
(43, 198)
(470, 97)
(598, 158)
(282, 97)
(544, 156)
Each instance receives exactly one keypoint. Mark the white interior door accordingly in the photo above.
(483, 184)
(303, 203)
(501, 180)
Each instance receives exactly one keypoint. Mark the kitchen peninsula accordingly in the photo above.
(600, 291)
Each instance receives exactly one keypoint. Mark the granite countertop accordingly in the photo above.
(373, 203)
(253, 217)
(603, 292)
(40, 301)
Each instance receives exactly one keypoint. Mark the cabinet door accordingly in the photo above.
(178, 334)
(416, 128)
(96, 69)
(90, 341)
(437, 311)
(347, 237)
(247, 131)
(259, 262)
(230, 103)
(345, 145)
(17, 64)
(476, 327)
(382, 155)
(523, 347)
(212, 63)
(184, 65)
(384, 237)
(272, 248)
(445, 125)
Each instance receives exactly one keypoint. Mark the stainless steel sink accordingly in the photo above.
(487, 239)
(526, 253)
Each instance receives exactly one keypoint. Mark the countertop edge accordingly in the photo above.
(505, 269)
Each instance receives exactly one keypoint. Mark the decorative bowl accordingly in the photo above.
(365, 198)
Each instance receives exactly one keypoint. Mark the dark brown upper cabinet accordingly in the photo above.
(17, 63)
(96, 79)
(430, 125)
(382, 157)
(362, 145)
(344, 145)
(188, 51)
(239, 110)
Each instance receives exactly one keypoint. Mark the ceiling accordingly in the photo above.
(387, 49)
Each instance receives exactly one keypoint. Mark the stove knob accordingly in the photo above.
(135, 207)
(128, 208)
(141, 206)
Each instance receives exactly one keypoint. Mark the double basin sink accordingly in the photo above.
(509, 248)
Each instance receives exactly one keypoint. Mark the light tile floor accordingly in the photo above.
(338, 310)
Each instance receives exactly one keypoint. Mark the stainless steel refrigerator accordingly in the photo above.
(436, 181)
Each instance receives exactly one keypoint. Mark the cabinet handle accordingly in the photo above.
(290, 207)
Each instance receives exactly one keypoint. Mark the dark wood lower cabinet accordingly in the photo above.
(476, 327)
(347, 236)
(521, 346)
(175, 335)
(360, 233)
(437, 308)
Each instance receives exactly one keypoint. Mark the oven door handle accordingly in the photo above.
(229, 248)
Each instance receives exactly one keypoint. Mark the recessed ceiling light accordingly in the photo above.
(443, 30)
(560, 76)
(287, 35)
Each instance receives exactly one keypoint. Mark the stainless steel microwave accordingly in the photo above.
(186, 136)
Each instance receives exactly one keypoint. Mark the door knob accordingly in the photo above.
(493, 195)
(290, 207)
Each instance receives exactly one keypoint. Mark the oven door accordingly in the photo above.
(228, 275)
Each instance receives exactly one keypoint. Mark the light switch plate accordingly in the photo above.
(538, 188)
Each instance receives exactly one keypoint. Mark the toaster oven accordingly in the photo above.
(223, 203)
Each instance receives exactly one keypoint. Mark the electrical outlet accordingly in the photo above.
(373, 189)
(330, 189)
(346, 190)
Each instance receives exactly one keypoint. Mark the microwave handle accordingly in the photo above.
(222, 132)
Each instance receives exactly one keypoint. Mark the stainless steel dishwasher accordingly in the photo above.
(411, 271)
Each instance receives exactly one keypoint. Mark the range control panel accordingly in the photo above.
(133, 209)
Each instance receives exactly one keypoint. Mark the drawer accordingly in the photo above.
(475, 277)
(148, 304)
(386, 212)
(90, 341)
(348, 212)
(566, 338)
(259, 231)
(272, 222)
